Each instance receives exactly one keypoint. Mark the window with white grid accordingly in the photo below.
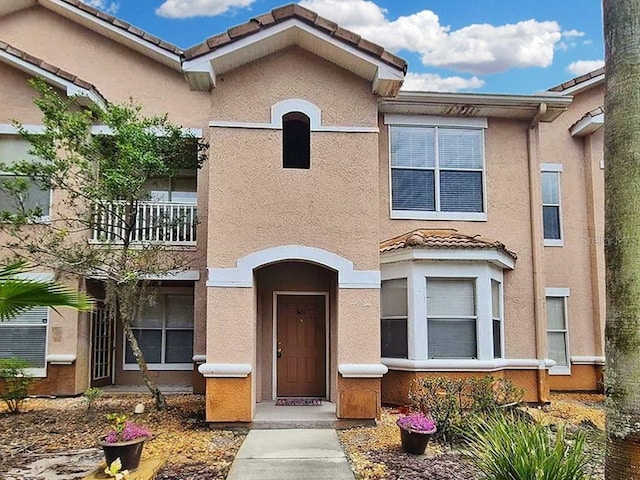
(558, 330)
(394, 312)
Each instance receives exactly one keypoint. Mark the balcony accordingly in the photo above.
(155, 222)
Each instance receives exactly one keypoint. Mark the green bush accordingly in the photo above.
(15, 381)
(508, 448)
(453, 403)
(90, 396)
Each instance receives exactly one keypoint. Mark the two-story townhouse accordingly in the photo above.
(351, 236)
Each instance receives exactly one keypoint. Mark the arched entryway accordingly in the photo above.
(296, 330)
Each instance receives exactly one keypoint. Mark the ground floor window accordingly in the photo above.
(442, 311)
(25, 336)
(165, 333)
(393, 320)
(557, 329)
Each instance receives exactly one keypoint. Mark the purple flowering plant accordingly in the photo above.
(418, 422)
(123, 430)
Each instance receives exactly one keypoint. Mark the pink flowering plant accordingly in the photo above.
(123, 430)
(417, 422)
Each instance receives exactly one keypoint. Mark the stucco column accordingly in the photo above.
(231, 354)
(358, 352)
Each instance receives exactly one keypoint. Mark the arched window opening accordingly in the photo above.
(296, 140)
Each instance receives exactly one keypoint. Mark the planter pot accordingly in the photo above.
(414, 441)
(128, 452)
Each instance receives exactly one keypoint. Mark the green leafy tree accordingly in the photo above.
(622, 233)
(99, 183)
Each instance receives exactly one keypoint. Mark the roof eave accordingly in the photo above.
(84, 96)
(495, 256)
(137, 42)
(201, 71)
(476, 104)
(587, 125)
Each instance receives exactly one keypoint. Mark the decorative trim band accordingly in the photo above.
(362, 370)
(273, 126)
(242, 275)
(588, 360)
(493, 256)
(434, 120)
(61, 359)
(225, 370)
(467, 365)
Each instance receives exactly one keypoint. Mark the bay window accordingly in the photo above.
(393, 304)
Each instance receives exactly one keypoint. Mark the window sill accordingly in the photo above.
(419, 215)
(560, 370)
(37, 372)
(160, 366)
(548, 242)
(462, 365)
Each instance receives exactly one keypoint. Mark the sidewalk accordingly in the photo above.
(291, 454)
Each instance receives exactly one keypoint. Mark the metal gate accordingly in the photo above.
(102, 348)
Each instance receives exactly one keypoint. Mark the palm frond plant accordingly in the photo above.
(19, 294)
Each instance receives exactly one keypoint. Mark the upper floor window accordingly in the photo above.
(296, 140)
(551, 211)
(437, 172)
(179, 189)
(20, 194)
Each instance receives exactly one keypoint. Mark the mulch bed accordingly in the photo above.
(55, 426)
(375, 452)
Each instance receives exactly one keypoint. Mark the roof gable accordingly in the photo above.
(284, 27)
(54, 76)
(579, 84)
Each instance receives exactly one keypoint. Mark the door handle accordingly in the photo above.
(279, 352)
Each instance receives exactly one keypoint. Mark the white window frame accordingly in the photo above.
(158, 366)
(555, 168)
(430, 121)
(417, 273)
(563, 293)
(500, 318)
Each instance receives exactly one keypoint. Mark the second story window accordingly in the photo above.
(437, 172)
(551, 211)
(20, 194)
(296, 141)
(179, 189)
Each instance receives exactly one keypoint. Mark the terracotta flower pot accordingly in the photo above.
(414, 441)
(129, 452)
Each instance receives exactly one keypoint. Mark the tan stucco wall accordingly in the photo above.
(333, 204)
(582, 255)
(508, 220)
(16, 97)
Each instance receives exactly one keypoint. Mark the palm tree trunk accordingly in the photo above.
(622, 234)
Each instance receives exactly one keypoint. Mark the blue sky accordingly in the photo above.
(497, 46)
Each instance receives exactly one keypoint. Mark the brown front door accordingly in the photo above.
(301, 346)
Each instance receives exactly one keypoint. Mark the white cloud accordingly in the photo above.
(478, 49)
(198, 8)
(572, 33)
(431, 82)
(580, 67)
(104, 5)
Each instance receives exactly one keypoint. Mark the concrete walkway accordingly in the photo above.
(291, 455)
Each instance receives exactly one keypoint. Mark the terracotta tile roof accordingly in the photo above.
(127, 27)
(287, 12)
(441, 238)
(593, 113)
(38, 63)
(578, 80)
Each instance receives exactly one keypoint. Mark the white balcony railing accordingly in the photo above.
(155, 222)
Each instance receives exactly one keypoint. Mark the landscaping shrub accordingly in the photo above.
(453, 403)
(15, 381)
(505, 447)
